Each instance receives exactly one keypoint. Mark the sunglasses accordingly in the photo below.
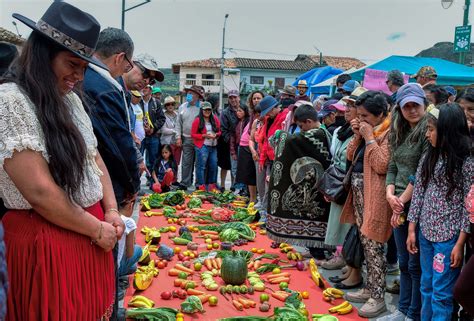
(145, 73)
(130, 64)
(169, 104)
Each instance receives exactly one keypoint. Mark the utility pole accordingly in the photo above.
(128, 9)
(465, 22)
(221, 90)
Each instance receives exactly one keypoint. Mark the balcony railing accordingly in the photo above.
(210, 85)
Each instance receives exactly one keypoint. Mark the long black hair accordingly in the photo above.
(453, 145)
(171, 159)
(34, 74)
(202, 122)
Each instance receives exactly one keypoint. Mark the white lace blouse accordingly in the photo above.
(20, 130)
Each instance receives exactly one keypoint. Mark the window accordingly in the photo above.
(190, 79)
(279, 83)
(209, 80)
(256, 80)
(207, 76)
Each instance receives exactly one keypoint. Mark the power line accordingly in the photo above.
(262, 52)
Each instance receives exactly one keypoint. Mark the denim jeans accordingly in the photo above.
(206, 158)
(151, 144)
(409, 301)
(437, 279)
(129, 265)
(187, 162)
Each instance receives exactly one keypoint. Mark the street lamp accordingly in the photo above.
(128, 9)
(221, 90)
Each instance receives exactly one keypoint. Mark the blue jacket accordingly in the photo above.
(108, 113)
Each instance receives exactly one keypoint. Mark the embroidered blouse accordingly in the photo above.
(20, 129)
(441, 218)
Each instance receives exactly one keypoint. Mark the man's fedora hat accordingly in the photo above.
(71, 28)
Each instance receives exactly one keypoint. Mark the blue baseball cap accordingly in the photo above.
(328, 108)
(451, 91)
(411, 92)
(350, 85)
(267, 104)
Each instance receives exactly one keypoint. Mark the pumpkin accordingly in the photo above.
(234, 269)
(142, 280)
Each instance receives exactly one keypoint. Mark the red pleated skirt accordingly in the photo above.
(55, 274)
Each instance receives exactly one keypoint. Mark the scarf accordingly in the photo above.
(345, 132)
(383, 127)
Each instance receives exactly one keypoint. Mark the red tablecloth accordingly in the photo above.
(300, 281)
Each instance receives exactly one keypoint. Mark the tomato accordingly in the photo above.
(161, 265)
(305, 295)
(177, 250)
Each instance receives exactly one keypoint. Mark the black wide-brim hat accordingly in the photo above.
(70, 27)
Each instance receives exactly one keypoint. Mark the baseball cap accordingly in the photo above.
(451, 91)
(206, 105)
(350, 85)
(411, 92)
(233, 93)
(148, 62)
(427, 72)
(328, 108)
(136, 93)
(155, 90)
(355, 94)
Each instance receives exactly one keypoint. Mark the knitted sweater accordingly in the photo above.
(404, 162)
(377, 212)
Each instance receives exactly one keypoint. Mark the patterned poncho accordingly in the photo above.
(297, 212)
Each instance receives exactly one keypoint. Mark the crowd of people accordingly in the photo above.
(358, 180)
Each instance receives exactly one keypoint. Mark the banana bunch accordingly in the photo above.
(295, 256)
(240, 204)
(251, 209)
(343, 308)
(331, 294)
(285, 248)
(140, 301)
(315, 275)
(153, 213)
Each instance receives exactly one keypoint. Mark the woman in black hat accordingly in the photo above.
(62, 221)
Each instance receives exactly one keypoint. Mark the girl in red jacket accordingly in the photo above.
(205, 130)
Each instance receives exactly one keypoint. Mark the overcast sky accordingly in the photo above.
(180, 30)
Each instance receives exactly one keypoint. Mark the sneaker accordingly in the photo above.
(395, 316)
(258, 205)
(392, 269)
(372, 308)
(335, 263)
(212, 187)
(360, 296)
(394, 288)
(202, 187)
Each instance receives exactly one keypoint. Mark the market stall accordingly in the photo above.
(208, 248)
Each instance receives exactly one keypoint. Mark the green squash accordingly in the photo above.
(234, 269)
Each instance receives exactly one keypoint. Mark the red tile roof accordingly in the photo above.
(343, 63)
(301, 63)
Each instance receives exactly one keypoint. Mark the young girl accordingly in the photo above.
(205, 130)
(164, 170)
(243, 117)
(443, 180)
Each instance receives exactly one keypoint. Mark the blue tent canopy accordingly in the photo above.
(449, 73)
(317, 75)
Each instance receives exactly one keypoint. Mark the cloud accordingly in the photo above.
(395, 36)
